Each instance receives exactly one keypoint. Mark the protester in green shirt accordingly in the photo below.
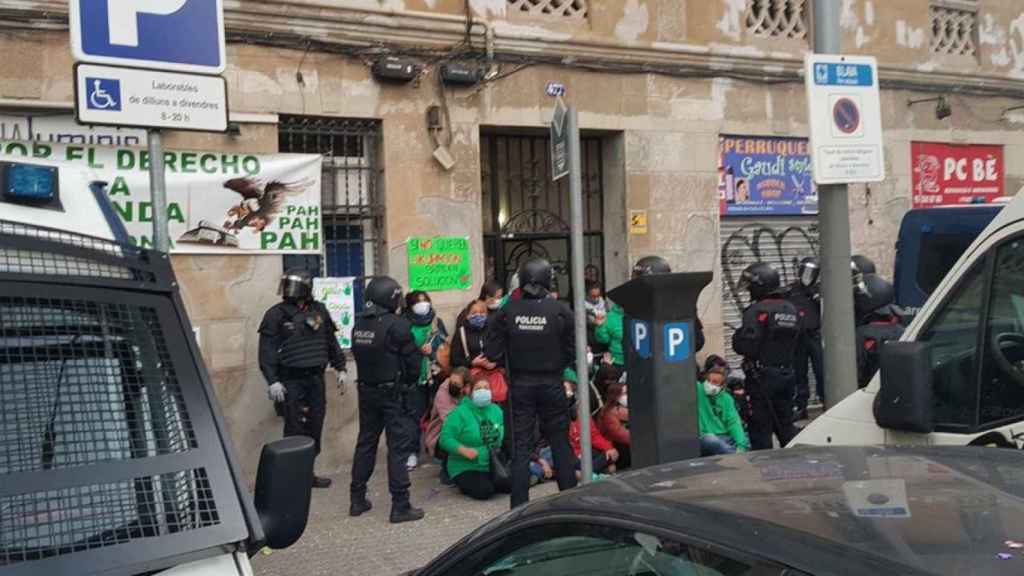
(609, 332)
(429, 332)
(474, 428)
(720, 426)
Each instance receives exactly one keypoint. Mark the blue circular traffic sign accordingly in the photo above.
(846, 115)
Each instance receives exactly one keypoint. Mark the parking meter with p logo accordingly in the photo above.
(661, 312)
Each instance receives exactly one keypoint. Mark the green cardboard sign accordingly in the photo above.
(439, 264)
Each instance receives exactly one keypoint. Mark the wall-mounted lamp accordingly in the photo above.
(942, 108)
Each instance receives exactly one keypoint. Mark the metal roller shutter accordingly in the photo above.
(778, 240)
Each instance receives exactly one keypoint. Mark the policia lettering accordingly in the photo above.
(388, 363)
(768, 341)
(535, 338)
(297, 342)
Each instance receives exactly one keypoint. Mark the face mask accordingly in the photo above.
(478, 322)
(711, 389)
(494, 305)
(482, 398)
(590, 357)
(455, 390)
(421, 308)
(624, 401)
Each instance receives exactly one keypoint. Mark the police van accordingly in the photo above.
(114, 455)
(957, 375)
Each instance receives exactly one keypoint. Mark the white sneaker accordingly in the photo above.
(412, 462)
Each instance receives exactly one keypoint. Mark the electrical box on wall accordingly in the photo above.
(394, 69)
(461, 74)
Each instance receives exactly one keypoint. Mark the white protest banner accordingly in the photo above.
(217, 202)
(338, 294)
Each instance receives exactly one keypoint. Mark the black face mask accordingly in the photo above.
(573, 412)
(454, 391)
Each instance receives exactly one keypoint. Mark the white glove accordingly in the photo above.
(342, 381)
(276, 392)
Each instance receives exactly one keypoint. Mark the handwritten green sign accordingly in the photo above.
(439, 264)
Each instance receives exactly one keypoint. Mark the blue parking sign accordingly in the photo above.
(677, 342)
(180, 35)
(640, 336)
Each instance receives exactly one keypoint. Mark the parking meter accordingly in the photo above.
(659, 342)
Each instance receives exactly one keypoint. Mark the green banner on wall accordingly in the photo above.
(439, 264)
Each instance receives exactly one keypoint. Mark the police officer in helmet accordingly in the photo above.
(860, 266)
(805, 294)
(388, 364)
(535, 335)
(767, 340)
(297, 342)
(651, 265)
(878, 321)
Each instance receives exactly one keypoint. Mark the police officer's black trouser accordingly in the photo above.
(809, 352)
(381, 409)
(771, 398)
(533, 397)
(305, 403)
(415, 405)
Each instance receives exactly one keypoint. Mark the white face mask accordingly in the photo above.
(590, 357)
(711, 389)
(421, 308)
(623, 400)
(494, 305)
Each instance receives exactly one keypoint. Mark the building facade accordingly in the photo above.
(694, 127)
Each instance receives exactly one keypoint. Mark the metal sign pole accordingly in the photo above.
(158, 187)
(579, 292)
(834, 216)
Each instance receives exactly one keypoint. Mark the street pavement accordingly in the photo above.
(335, 544)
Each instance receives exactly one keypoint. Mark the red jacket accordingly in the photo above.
(597, 440)
(611, 422)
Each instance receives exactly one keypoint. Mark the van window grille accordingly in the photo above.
(83, 382)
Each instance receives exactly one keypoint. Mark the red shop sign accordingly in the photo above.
(953, 174)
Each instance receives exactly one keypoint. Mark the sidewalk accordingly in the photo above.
(369, 545)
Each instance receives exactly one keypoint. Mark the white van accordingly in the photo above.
(114, 456)
(957, 375)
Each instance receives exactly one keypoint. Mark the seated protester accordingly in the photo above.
(721, 430)
(607, 375)
(541, 464)
(468, 339)
(474, 428)
(736, 384)
(609, 332)
(429, 332)
(604, 455)
(448, 396)
(613, 422)
(492, 294)
(596, 308)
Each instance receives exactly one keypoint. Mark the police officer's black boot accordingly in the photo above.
(321, 482)
(359, 505)
(405, 512)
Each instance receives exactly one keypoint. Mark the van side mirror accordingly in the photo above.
(284, 485)
(905, 401)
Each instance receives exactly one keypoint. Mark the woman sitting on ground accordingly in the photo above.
(471, 431)
(613, 421)
(720, 426)
(448, 396)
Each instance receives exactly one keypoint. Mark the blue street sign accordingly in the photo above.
(839, 74)
(677, 342)
(640, 336)
(180, 35)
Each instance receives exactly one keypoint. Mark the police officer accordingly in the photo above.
(297, 341)
(767, 340)
(805, 294)
(878, 321)
(535, 337)
(388, 364)
(650, 265)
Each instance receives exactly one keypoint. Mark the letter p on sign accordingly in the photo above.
(677, 342)
(640, 332)
(123, 16)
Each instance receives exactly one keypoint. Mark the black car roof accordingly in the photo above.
(841, 510)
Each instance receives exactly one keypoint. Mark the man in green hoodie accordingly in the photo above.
(469, 433)
(720, 426)
(609, 333)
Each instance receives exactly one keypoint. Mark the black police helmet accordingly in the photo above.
(384, 291)
(296, 284)
(808, 271)
(536, 277)
(761, 279)
(651, 265)
(860, 264)
(877, 296)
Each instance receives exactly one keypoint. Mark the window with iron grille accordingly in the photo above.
(954, 27)
(563, 8)
(353, 210)
(777, 18)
